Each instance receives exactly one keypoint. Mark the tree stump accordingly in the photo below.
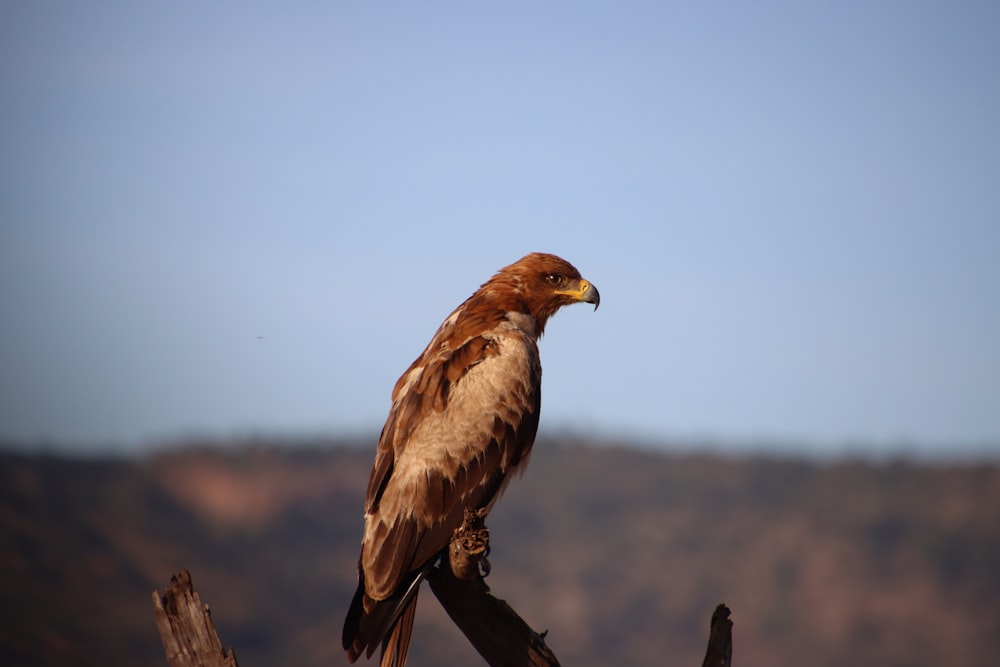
(185, 625)
(720, 639)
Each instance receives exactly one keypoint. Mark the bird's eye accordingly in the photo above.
(554, 279)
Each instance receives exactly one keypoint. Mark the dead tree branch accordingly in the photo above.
(720, 639)
(185, 625)
(496, 631)
(493, 628)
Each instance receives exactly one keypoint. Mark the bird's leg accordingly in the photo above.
(470, 545)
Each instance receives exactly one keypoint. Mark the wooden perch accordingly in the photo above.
(720, 639)
(495, 630)
(185, 625)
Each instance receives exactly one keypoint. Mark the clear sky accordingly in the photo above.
(232, 218)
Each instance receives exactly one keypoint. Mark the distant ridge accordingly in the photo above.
(617, 551)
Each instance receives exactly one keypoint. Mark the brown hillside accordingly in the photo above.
(621, 554)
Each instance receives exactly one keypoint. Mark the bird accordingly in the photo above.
(462, 422)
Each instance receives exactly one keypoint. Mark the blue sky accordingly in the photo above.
(231, 218)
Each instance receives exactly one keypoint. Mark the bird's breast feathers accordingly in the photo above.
(491, 383)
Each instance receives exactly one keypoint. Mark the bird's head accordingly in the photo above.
(545, 283)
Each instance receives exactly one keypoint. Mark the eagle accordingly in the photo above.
(462, 422)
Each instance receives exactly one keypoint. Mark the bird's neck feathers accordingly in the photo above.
(504, 295)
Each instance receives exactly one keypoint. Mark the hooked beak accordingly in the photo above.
(585, 292)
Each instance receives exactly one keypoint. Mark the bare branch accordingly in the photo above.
(185, 625)
(495, 630)
(720, 639)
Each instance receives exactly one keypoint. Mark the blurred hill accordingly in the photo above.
(622, 554)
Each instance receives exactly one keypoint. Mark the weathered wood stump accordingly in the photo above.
(720, 639)
(185, 625)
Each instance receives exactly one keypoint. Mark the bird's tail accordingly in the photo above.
(397, 644)
(389, 622)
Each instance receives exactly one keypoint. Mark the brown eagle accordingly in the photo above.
(463, 419)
